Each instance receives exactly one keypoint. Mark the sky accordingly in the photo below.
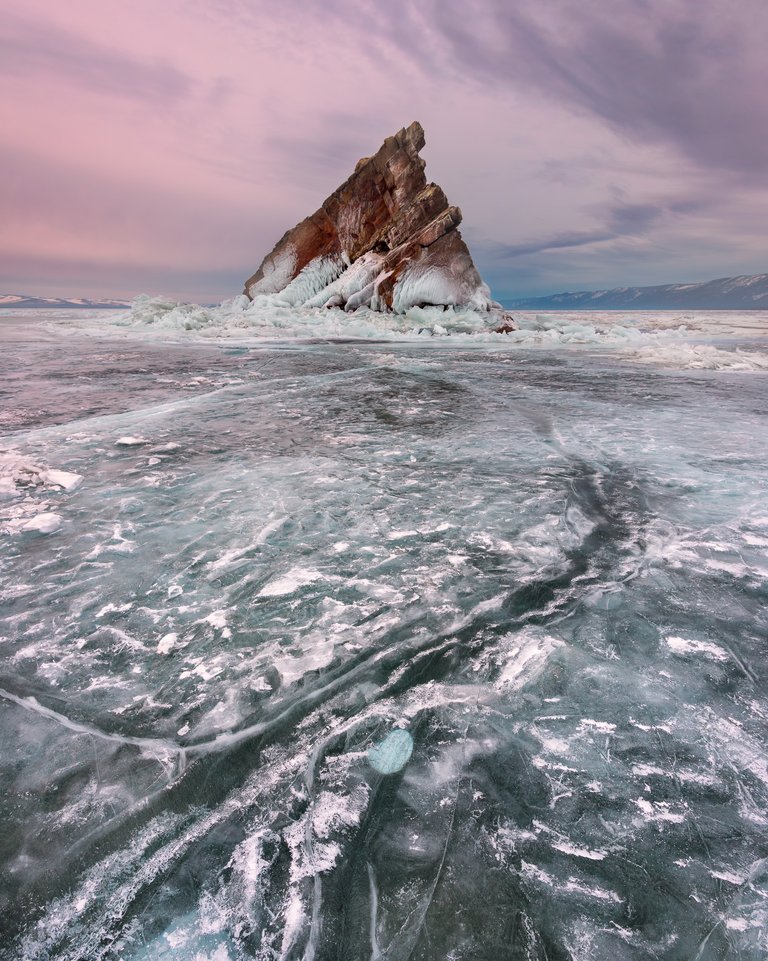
(164, 147)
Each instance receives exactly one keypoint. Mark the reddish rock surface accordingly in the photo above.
(385, 239)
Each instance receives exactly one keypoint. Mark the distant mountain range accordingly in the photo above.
(22, 300)
(727, 293)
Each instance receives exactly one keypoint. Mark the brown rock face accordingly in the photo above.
(385, 239)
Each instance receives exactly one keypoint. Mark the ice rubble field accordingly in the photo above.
(422, 645)
(663, 337)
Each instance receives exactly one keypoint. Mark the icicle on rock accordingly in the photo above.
(386, 239)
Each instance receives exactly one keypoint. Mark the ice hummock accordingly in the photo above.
(661, 338)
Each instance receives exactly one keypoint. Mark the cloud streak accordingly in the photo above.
(31, 49)
(624, 221)
(691, 75)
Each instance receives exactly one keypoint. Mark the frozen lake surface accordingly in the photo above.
(425, 644)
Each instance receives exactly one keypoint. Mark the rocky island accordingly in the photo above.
(385, 239)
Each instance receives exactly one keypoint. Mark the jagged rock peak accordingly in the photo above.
(385, 239)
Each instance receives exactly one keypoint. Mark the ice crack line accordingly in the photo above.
(149, 744)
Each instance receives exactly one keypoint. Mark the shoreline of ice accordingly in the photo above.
(700, 340)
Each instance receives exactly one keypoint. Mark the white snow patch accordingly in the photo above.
(600, 727)
(525, 658)
(129, 441)
(683, 646)
(676, 773)
(567, 848)
(290, 582)
(217, 619)
(167, 643)
(570, 885)
(293, 665)
(730, 876)
(659, 811)
(702, 357)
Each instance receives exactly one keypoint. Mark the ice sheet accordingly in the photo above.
(530, 567)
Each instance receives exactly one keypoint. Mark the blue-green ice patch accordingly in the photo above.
(393, 753)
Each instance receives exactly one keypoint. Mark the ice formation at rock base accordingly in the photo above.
(386, 239)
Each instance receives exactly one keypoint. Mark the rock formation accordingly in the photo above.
(386, 239)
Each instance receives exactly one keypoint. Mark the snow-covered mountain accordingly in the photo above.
(728, 293)
(24, 300)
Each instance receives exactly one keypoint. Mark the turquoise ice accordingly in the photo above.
(393, 753)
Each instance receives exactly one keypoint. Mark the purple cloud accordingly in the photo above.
(689, 74)
(29, 48)
(587, 144)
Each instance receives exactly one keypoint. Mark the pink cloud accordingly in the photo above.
(178, 141)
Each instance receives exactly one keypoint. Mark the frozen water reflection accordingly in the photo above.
(547, 569)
